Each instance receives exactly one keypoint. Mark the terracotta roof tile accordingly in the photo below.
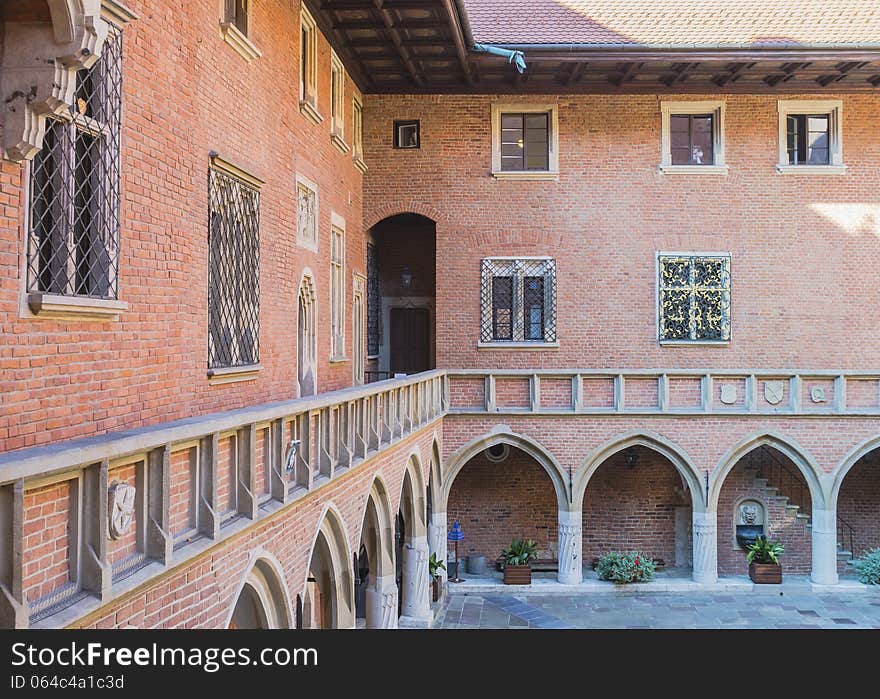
(678, 23)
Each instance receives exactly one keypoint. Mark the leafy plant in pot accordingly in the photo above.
(435, 565)
(763, 558)
(515, 559)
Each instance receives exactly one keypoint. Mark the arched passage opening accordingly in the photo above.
(400, 296)
(328, 595)
(503, 493)
(639, 498)
(262, 601)
(857, 491)
(764, 493)
(376, 591)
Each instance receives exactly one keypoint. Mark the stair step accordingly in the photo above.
(844, 555)
(761, 482)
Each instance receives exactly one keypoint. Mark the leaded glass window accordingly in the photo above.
(518, 300)
(73, 234)
(694, 303)
(337, 292)
(233, 272)
(373, 297)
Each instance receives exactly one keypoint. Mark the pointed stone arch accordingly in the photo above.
(412, 497)
(852, 457)
(785, 445)
(261, 599)
(307, 335)
(650, 440)
(504, 435)
(378, 513)
(329, 558)
(379, 589)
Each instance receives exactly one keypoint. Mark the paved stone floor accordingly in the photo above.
(695, 610)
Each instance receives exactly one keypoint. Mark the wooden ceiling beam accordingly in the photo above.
(388, 20)
(458, 37)
(576, 72)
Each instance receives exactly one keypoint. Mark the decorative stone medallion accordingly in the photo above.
(728, 393)
(774, 392)
(817, 394)
(121, 505)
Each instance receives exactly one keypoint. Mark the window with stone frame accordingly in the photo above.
(525, 141)
(692, 137)
(73, 227)
(306, 213)
(237, 14)
(337, 102)
(233, 271)
(308, 69)
(518, 300)
(337, 291)
(693, 298)
(810, 137)
(357, 127)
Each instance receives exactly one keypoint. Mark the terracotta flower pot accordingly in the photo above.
(765, 573)
(517, 575)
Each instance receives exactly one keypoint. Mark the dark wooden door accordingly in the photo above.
(410, 338)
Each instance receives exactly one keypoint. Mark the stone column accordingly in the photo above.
(570, 548)
(824, 534)
(437, 539)
(705, 547)
(381, 602)
(416, 608)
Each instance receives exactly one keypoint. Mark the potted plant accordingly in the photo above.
(434, 567)
(763, 558)
(517, 570)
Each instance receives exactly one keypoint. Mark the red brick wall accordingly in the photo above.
(859, 504)
(498, 502)
(186, 93)
(611, 211)
(780, 524)
(46, 553)
(628, 509)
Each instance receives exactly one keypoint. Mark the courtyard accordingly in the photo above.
(785, 607)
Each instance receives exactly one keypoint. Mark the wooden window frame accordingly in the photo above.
(834, 110)
(308, 70)
(337, 288)
(234, 35)
(337, 103)
(552, 171)
(713, 108)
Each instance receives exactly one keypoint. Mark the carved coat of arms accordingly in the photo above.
(121, 506)
(774, 391)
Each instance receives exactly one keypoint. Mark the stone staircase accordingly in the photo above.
(771, 494)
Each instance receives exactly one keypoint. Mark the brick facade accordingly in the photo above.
(186, 93)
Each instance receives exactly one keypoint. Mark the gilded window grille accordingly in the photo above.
(73, 231)
(694, 303)
(518, 300)
(233, 272)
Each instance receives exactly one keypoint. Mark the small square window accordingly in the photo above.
(692, 138)
(407, 134)
(810, 137)
(525, 141)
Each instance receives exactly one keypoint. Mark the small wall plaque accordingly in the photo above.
(728, 393)
(817, 394)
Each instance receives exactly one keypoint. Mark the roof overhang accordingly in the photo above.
(424, 46)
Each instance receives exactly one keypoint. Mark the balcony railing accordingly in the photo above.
(663, 392)
(192, 482)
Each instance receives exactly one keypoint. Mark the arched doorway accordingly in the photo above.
(857, 491)
(376, 562)
(502, 493)
(412, 547)
(637, 499)
(764, 491)
(328, 598)
(401, 296)
(262, 601)
(306, 338)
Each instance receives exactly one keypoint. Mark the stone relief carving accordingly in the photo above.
(569, 549)
(751, 513)
(389, 609)
(728, 393)
(774, 392)
(121, 501)
(817, 394)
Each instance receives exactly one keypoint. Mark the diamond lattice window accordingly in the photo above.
(372, 301)
(233, 272)
(337, 292)
(694, 303)
(73, 234)
(518, 300)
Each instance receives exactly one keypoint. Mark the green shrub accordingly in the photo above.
(868, 567)
(623, 568)
(521, 551)
(765, 551)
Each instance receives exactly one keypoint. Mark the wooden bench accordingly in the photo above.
(538, 565)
